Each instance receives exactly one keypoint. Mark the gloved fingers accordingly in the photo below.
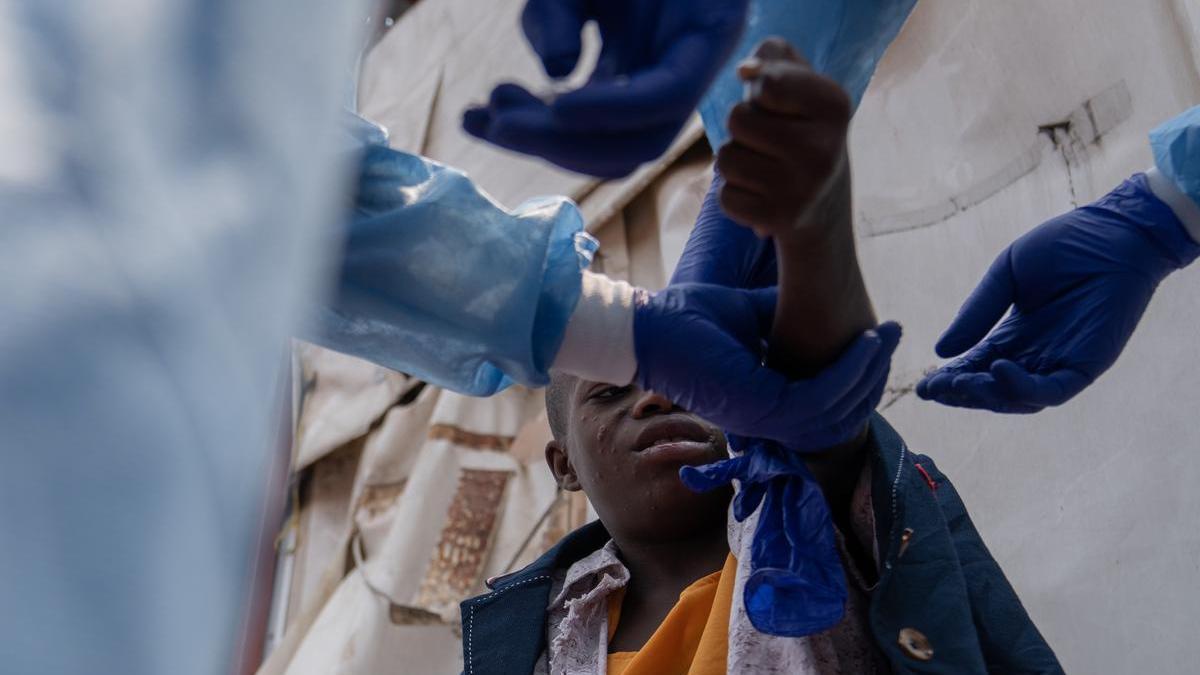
(985, 306)
(711, 476)
(517, 120)
(830, 434)
(869, 389)
(979, 391)
(763, 301)
(509, 95)
(978, 360)
(663, 93)
(480, 121)
(553, 28)
(1053, 389)
(476, 121)
(806, 397)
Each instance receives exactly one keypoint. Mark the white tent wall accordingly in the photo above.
(1091, 508)
(985, 118)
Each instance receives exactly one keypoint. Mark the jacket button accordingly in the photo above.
(914, 643)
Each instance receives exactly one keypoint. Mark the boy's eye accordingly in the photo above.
(609, 393)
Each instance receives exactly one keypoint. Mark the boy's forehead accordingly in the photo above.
(579, 386)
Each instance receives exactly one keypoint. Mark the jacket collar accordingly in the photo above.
(504, 631)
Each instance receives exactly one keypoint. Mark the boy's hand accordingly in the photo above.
(787, 142)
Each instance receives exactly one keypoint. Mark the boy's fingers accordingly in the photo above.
(744, 207)
(777, 48)
(787, 137)
(791, 89)
(753, 171)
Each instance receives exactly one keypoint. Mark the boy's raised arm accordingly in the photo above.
(787, 176)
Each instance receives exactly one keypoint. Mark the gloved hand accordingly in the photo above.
(1077, 285)
(796, 585)
(702, 346)
(719, 251)
(657, 59)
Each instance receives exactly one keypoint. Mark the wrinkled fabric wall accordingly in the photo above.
(983, 120)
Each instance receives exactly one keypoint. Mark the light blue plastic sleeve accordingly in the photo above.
(442, 283)
(1176, 146)
(843, 39)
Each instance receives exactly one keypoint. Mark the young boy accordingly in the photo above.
(656, 585)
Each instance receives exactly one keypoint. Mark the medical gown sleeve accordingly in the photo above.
(1176, 176)
(440, 282)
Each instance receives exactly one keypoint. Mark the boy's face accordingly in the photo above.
(623, 447)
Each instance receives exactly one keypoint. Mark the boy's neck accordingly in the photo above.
(671, 565)
(659, 570)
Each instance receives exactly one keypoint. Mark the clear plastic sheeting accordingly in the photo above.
(1176, 145)
(167, 169)
(843, 39)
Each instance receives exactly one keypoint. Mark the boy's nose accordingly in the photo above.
(651, 403)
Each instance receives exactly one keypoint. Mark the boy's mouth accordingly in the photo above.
(676, 437)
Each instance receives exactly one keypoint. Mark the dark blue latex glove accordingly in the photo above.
(657, 60)
(1077, 285)
(701, 346)
(796, 585)
(719, 251)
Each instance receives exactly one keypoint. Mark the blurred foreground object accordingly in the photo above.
(166, 169)
(657, 59)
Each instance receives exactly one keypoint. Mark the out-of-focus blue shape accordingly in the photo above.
(439, 281)
(163, 193)
(719, 251)
(656, 60)
(843, 39)
(1176, 146)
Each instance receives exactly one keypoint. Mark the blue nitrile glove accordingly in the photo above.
(657, 59)
(796, 586)
(1077, 285)
(719, 251)
(701, 346)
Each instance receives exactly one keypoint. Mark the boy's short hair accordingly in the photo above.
(558, 403)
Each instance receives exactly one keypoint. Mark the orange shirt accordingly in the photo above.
(694, 637)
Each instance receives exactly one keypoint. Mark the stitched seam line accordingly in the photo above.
(471, 617)
(896, 484)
